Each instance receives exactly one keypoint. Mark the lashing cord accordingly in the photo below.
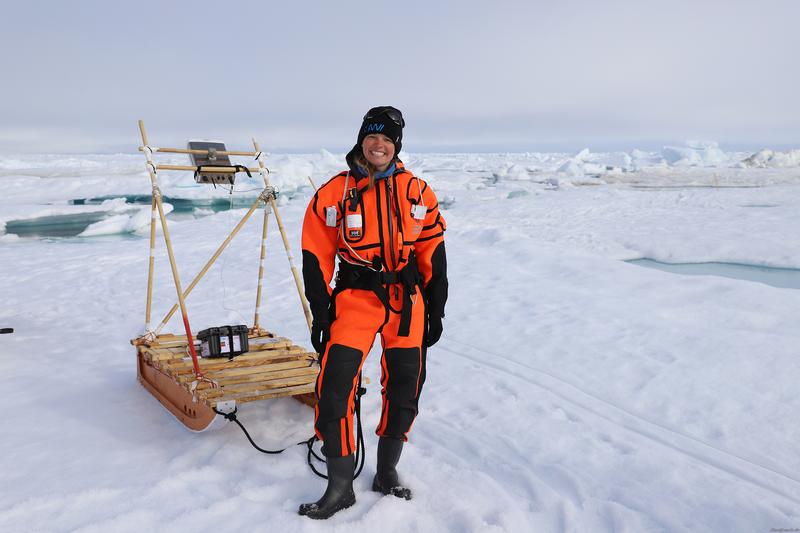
(360, 448)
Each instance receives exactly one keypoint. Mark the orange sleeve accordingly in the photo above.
(319, 251)
(431, 257)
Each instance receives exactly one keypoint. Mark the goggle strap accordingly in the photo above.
(393, 114)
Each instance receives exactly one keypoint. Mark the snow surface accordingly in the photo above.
(571, 391)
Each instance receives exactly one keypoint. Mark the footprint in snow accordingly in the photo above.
(560, 414)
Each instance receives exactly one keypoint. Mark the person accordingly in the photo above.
(384, 225)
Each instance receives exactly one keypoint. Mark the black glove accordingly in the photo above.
(320, 335)
(434, 330)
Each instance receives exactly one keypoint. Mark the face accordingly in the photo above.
(378, 150)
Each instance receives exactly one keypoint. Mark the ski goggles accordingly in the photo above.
(394, 115)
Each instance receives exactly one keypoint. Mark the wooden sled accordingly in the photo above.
(168, 366)
(274, 367)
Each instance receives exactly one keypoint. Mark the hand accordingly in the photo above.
(434, 330)
(320, 335)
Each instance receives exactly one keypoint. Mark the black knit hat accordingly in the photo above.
(386, 120)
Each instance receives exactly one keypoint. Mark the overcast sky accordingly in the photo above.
(471, 75)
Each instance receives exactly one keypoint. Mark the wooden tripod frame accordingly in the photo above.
(267, 197)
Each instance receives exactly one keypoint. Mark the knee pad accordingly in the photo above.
(405, 372)
(338, 376)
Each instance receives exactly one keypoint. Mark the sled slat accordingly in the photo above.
(227, 373)
(263, 379)
(242, 361)
(273, 385)
(244, 397)
(166, 354)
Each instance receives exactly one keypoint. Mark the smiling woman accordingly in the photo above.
(384, 226)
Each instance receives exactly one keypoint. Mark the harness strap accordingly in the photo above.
(351, 276)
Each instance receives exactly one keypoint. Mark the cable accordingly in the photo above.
(232, 417)
(360, 446)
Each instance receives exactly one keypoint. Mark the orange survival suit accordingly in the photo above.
(392, 280)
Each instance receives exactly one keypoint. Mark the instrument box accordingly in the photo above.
(224, 341)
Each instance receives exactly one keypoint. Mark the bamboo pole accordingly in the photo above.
(256, 318)
(264, 174)
(198, 152)
(210, 262)
(151, 266)
(218, 170)
(157, 199)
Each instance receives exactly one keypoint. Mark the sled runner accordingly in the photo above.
(198, 391)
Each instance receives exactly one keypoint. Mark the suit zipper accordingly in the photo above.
(389, 219)
(392, 240)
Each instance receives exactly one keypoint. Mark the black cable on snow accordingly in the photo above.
(360, 447)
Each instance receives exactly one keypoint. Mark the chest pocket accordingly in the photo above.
(354, 220)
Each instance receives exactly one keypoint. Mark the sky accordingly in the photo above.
(468, 75)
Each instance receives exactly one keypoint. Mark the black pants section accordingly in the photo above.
(405, 375)
(338, 383)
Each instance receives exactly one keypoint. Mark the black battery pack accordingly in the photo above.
(224, 341)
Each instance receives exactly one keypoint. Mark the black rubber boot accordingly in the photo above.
(386, 479)
(339, 494)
